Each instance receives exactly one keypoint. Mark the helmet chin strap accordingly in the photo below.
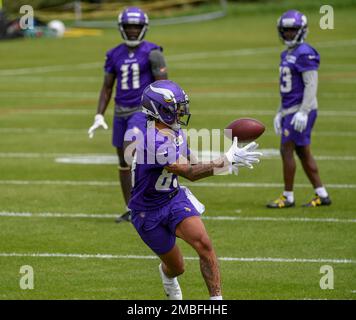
(132, 43)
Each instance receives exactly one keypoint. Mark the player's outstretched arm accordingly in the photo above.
(197, 170)
(234, 158)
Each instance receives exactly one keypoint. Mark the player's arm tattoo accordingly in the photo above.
(195, 171)
(106, 92)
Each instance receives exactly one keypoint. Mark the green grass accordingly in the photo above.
(46, 114)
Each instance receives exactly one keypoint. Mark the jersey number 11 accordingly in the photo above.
(125, 69)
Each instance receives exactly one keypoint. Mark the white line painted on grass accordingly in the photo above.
(281, 219)
(45, 69)
(58, 215)
(204, 217)
(205, 156)
(268, 154)
(47, 131)
(34, 155)
(190, 184)
(108, 132)
(148, 257)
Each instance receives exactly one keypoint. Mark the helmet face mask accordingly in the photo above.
(166, 102)
(133, 25)
(292, 28)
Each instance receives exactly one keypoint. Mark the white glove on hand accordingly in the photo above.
(233, 169)
(99, 121)
(277, 122)
(243, 157)
(299, 121)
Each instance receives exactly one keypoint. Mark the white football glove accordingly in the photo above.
(243, 157)
(99, 121)
(277, 122)
(233, 169)
(299, 121)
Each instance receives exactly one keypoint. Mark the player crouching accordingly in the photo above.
(162, 209)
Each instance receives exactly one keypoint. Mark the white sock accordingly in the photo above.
(216, 298)
(166, 278)
(321, 192)
(289, 195)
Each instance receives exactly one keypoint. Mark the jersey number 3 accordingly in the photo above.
(286, 79)
(135, 71)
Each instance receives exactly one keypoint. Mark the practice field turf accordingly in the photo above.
(58, 216)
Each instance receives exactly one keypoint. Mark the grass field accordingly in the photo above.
(229, 68)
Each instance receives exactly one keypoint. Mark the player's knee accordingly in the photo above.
(286, 153)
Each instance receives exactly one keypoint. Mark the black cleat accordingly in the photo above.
(318, 201)
(280, 203)
(124, 217)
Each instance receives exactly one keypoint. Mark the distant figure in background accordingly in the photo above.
(134, 64)
(296, 116)
(12, 29)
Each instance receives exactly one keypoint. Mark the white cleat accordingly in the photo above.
(170, 285)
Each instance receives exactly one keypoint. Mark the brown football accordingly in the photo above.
(245, 129)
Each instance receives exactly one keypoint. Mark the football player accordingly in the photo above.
(161, 209)
(296, 116)
(133, 65)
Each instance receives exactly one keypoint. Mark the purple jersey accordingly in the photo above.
(153, 185)
(133, 72)
(293, 64)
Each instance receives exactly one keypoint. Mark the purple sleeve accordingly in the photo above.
(307, 62)
(109, 63)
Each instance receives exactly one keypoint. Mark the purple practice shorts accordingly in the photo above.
(123, 124)
(157, 228)
(299, 138)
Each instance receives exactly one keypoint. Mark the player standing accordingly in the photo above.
(133, 64)
(296, 116)
(162, 209)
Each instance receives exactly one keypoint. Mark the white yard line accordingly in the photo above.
(190, 184)
(268, 154)
(204, 217)
(54, 68)
(148, 257)
(34, 155)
